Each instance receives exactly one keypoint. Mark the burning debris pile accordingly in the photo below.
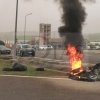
(89, 74)
(73, 18)
(77, 71)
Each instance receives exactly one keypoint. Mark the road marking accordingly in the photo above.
(36, 77)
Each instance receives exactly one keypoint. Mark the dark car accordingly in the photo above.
(4, 50)
(33, 46)
(25, 49)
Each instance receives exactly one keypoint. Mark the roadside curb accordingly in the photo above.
(38, 77)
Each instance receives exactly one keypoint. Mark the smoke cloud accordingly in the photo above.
(73, 18)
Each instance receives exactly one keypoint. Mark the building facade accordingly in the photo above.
(44, 34)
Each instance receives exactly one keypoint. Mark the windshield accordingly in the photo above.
(49, 46)
(26, 46)
(3, 47)
(43, 46)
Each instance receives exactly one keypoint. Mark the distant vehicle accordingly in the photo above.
(45, 47)
(50, 47)
(25, 49)
(4, 50)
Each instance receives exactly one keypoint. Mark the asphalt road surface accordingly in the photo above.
(35, 88)
(89, 57)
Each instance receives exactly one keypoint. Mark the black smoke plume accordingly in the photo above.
(73, 18)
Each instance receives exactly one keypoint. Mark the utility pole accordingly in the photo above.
(15, 30)
(46, 35)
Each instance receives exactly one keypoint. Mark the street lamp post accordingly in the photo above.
(15, 30)
(25, 26)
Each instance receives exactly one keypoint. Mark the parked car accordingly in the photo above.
(45, 47)
(4, 50)
(25, 49)
(50, 47)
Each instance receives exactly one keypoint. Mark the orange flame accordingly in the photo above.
(75, 58)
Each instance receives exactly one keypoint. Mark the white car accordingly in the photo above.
(44, 47)
(50, 47)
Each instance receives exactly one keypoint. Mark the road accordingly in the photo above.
(46, 88)
(36, 88)
(89, 57)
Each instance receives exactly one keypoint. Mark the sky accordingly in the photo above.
(43, 11)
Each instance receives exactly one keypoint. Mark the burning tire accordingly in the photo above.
(84, 76)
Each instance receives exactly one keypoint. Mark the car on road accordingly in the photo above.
(45, 47)
(50, 47)
(42, 47)
(4, 50)
(25, 49)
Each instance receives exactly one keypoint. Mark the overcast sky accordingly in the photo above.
(43, 11)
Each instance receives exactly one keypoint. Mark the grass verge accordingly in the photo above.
(31, 71)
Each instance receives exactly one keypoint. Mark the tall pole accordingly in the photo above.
(15, 30)
(46, 35)
(39, 31)
(25, 26)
